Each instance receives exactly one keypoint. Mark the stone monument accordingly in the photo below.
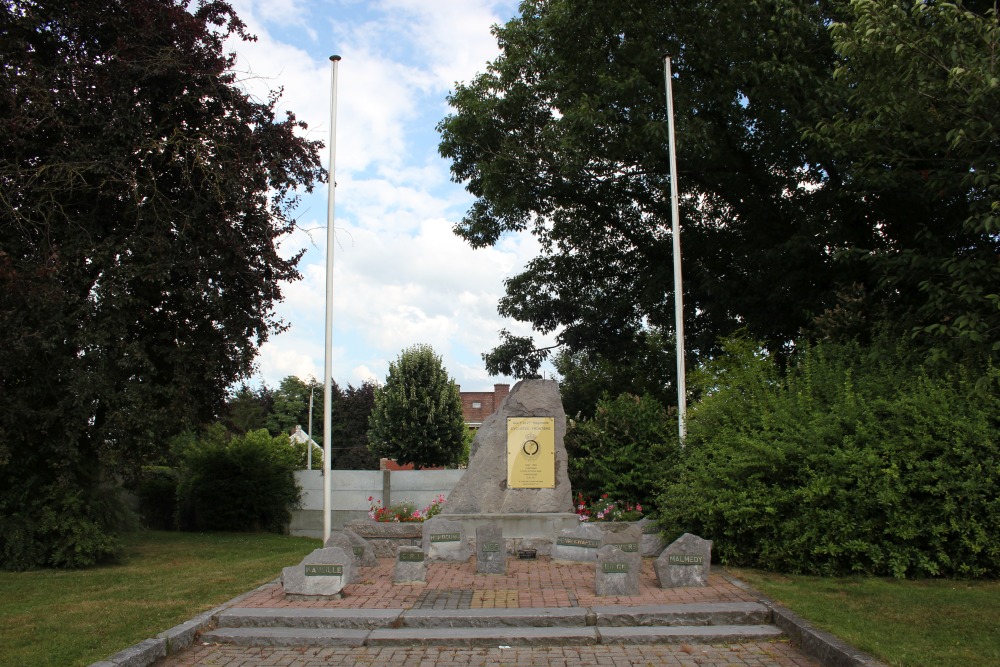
(411, 568)
(321, 575)
(445, 540)
(687, 562)
(491, 553)
(617, 572)
(518, 460)
(518, 473)
(352, 543)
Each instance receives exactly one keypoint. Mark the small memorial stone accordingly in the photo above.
(625, 536)
(354, 544)
(652, 543)
(685, 563)
(491, 552)
(579, 543)
(411, 568)
(445, 540)
(617, 572)
(322, 574)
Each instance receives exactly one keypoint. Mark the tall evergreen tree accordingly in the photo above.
(418, 412)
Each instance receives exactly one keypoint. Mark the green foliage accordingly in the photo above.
(143, 191)
(918, 139)
(70, 525)
(585, 377)
(417, 416)
(565, 135)
(854, 460)
(243, 483)
(156, 490)
(291, 406)
(625, 451)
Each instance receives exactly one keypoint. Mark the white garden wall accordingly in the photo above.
(350, 490)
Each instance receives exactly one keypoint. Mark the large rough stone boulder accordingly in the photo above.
(483, 488)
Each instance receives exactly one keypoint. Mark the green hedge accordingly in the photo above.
(852, 461)
(244, 483)
(624, 451)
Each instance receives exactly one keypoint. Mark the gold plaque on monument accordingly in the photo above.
(531, 452)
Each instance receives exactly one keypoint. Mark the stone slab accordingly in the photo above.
(483, 488)
(555, 636)
(702, 634)
(496, 618)
(287, 636)
(692, 613)
(617, 572)
(491, 550)
(686, 562)
(299, 617)
(297, 580)
(142, 654)
(445, 540)
(386, 537)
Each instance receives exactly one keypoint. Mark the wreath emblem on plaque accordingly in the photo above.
(530, 447)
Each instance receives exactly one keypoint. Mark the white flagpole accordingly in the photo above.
(328, 356)
(678, 289)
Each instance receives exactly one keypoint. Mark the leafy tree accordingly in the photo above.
(921, 136)
(143, 192)
(291, 406)
(586, 377)
(825, 149)
(349, 449)
(418, 412)
(565, 134)
(247, 409)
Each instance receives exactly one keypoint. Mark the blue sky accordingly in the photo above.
(401, 276)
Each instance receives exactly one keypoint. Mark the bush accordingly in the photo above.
(69, 525)
(245, 483)
(157, 494)
(854, 461)
(625, 451)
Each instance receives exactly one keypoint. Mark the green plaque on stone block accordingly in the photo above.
(323, 570)
(685, 559)
(650, 529)
(411, 556)
(627, 547)
(359, 551)
(446, 537)
(614, 568)
(491, 547)
(578, 542)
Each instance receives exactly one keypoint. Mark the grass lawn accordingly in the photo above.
(62, 618)
(927, 623)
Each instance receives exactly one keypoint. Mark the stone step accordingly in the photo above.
(708, 614)
(491, 636)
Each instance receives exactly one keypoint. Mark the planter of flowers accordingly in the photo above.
(400, 524)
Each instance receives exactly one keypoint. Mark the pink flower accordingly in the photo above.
(370, 498)
(638, 508)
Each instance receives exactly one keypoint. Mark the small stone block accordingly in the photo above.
(323, 573)
(354, 544)
(445, 540)
(411, 567)
(617, 572)
(685, 563)
(579, 544)
(491, 554)
(652, 541)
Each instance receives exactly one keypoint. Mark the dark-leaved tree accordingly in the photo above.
(143, 191)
